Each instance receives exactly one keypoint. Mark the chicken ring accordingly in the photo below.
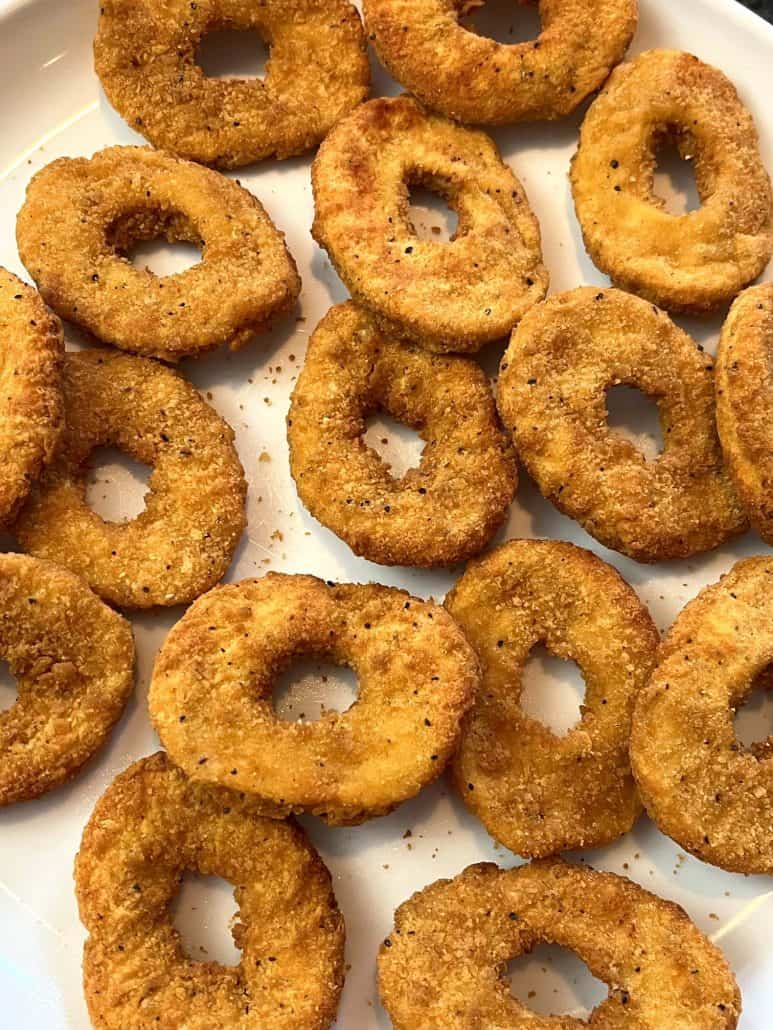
(183, 542)
(82, 216)
(443, 964)
(441, 512)
(745, 402)
(150, 826)
(693, 262)
(32, 415)
(562, 359)
(469, 77)
(535, 792)
(73, 660)
(699, 784)
(452, 296)
(145, 55)
(210, 695)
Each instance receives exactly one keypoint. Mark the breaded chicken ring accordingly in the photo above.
(694, 262)
(452, 69)
(699, 784)
(535, 792)
(150, 826)
(210, 695)
(443, 964)
(145, 55)
(82, 216)
(441, 512)
(452, 296)
(73, 660)
(183, 542)
(31, 408)
(561, 361)
(744, 380)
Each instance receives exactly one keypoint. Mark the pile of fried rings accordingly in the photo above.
(439, 685)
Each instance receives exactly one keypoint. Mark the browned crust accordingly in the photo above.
(694, 262)
(475, 79)
(81, 216)
(447, 508)
(744, 378)
(73, 660)
(183, 541)
(145, 54)
(210, 695)
(701, 787)
(442, 965)
(535, 792)
(562, 359)
(152, 824)
(31, 414)
(452, 296)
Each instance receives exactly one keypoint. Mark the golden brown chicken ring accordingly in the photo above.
(145, 55)
(82, 216)
(744, 380)
(452, 296)
(32, 412)
(150, 826)
(73, 660)
(536, 792)
(699, 784)
(441, 512)
(210, 696)
(183, 542)
(562, 359)
(694, 262)
(471, 78)
(443, 964)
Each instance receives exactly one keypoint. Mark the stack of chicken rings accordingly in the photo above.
(440, 685)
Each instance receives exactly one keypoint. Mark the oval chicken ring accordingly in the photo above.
(210, 695)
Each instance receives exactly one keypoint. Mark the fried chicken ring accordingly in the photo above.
(702, 788)
(474, 79)
(745, 402)
(210, 695)
(151, 825)
(441, 512)
(82, 216)
(73, 660)
(452, 296)
(562, 359)
(145, 55)
(535, 792)
(183, 542)
(443, 964)
(31, 414)
(693, 262)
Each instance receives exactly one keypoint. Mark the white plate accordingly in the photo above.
(52, 107)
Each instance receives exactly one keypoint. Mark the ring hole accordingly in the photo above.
(309, 689)
(502, 20)
(552, 690)
(9, 692)
(398, 446)
(116, 485)
(429, 215)
(553, 981)
(233, 54)
(634, 416)
(163, 258)
(754, 716)
(164, 243)
(203, 912)
(674, 179)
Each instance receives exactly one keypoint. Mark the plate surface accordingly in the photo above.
(54, 107)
